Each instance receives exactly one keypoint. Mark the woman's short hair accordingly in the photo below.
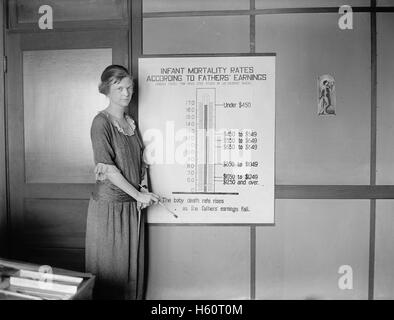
(112, 74)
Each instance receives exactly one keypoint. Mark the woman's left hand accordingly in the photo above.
(143, 205)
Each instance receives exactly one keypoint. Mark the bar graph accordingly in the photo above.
(205, 139)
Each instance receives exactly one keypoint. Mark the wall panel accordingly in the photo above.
(300, 256)
(268, 4)
(384, 252)
(385, 3)
(193, 5)
(199, 263)
(196, 35)
(385, 99)
(312, 149)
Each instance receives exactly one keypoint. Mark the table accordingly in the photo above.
(85, 289)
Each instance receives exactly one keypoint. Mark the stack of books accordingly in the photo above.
(42, 286)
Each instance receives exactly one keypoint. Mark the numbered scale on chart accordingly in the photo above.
(218, 158)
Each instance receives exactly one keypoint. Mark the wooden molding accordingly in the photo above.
(3, 167)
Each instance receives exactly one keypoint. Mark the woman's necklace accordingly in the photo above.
(124, 125)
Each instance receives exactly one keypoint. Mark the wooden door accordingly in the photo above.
(52, 98)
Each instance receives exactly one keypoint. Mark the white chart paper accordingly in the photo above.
(208, 125)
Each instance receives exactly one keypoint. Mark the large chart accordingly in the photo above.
(208, 125)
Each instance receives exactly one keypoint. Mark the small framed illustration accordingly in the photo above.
(326, 95)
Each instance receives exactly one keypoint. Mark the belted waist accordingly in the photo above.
(109, 192)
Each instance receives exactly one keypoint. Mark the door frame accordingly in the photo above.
(3, 145)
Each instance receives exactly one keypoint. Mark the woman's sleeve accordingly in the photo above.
(144, 168)
(144, 165)
(103, 151)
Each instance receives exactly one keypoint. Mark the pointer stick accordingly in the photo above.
(168, 209)
(160, 203)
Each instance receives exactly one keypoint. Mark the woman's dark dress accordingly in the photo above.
(115, 228)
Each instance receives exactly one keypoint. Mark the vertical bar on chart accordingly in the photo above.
(205, 143)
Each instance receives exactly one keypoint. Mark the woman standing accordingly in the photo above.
(115, 226)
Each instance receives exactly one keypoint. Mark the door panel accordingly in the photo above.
(24, 14)
(74, 10)
(47, 147)
(53, 97)
(71, 259)
(55, 223)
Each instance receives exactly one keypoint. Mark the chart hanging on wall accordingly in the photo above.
(208, 126)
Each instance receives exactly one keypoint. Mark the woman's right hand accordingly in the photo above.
(148, 198)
